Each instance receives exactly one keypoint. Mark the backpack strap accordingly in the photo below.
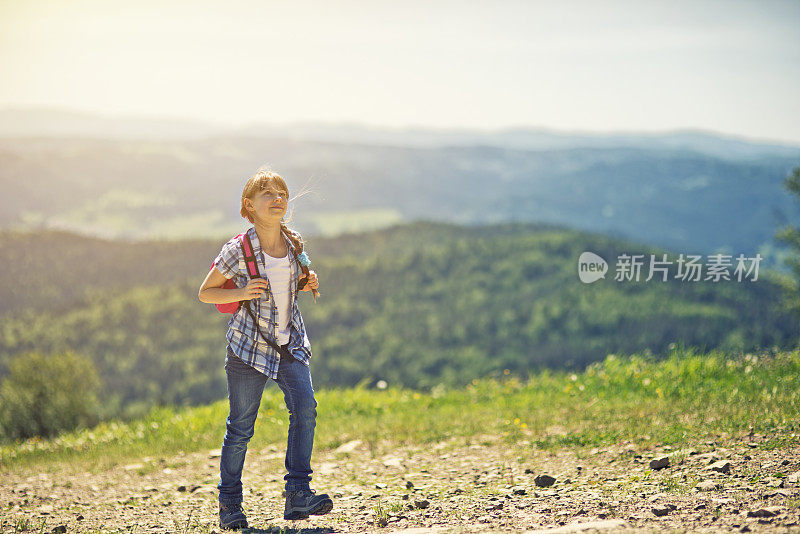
(249, 257)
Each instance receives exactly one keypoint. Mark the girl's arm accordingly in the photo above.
(212, 292)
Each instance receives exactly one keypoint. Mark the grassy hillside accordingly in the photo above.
(687, 397)
(417, 306)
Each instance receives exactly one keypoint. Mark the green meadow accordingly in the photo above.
(676, 400)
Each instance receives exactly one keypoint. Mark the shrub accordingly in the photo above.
(45, 395)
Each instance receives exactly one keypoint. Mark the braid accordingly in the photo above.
(297, 243)
(294, 237)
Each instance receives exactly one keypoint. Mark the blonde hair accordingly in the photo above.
(264, 179)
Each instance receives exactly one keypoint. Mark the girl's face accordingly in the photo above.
(268, 204)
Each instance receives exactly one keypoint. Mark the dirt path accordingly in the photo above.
(452, 486)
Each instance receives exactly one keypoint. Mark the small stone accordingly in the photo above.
(182, 488)
(409, 484)
(380, 485)
(421, 504)
(519, 491)
(79, 518)
(544, 481)
(350, 446)
(528, 471)
(660, 511)
(744, 529)
(60, 529)
(769, 511)
(701, 506)
(707, 485)
(660, 462)
(404, 497)
(722, 466)
(779, 493)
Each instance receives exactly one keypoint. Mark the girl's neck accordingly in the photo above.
(269, 235)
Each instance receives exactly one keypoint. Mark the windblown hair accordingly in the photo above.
(266, 179)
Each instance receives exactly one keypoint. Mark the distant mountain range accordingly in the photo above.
(693, 192)
(62, 123)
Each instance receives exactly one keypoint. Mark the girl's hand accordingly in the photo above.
(313, 282)
(254, 289)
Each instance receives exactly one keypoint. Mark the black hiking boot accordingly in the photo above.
(231, 516)
(302, 503)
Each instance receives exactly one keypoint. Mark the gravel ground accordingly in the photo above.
(484, 485)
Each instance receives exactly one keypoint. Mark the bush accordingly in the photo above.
(45, 395)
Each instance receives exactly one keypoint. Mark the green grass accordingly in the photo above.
(686, 397)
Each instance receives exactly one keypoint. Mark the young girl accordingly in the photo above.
(273, 314)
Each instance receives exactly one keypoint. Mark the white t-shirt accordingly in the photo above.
(279, 274)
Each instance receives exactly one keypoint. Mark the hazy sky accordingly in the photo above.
(727, 66)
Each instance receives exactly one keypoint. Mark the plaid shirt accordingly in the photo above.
(243, 340)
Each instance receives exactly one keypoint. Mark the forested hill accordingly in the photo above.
(416, 305)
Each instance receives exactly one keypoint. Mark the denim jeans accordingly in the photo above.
(245, 386)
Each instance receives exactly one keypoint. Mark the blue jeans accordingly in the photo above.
(245, 386)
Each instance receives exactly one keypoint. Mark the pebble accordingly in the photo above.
(544, 481)
(707, 485)
(350, 446)
(722, 466)
(769, 511)
(392, 462)
(660, 511)
(661, 462)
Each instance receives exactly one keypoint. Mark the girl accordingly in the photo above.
(273, 315)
